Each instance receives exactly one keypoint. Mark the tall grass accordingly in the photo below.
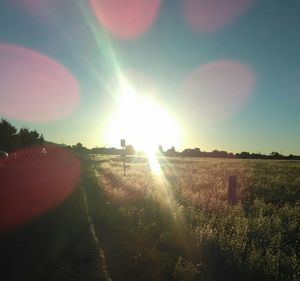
(180, 227)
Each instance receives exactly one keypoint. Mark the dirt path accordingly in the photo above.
(95, 237)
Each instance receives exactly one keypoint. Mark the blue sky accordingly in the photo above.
(265, 39)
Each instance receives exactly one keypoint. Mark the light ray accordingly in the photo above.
(142, 111)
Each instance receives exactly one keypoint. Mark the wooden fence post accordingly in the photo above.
(123, 145)
(232, 190)
(124, 160)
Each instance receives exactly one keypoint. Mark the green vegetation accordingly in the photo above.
(182, 228)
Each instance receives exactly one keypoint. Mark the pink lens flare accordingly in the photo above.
(42, 7)
(212, 15)
(126, 19)
(33, 182)
(217, 89)
(34, 87)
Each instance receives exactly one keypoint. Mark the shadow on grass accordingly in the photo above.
(56, 246)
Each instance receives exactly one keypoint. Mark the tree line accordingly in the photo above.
(11, 139)
(189, 152)
(196, 152)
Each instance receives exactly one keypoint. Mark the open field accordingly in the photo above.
(179, 226)
(173, 226)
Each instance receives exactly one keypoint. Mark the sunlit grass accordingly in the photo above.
(185, 207)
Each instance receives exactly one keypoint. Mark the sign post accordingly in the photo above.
(123, 145)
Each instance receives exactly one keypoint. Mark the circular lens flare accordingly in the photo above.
(33, 181)
(212, 15)
(217, 90)
(126, 18)
(34, 87)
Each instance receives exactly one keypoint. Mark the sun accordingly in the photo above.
(142, 121)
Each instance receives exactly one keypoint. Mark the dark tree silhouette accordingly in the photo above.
(7, 136)
(10, 140)
(196, 152)
(171, 152)
(29, 138)
(79, 148)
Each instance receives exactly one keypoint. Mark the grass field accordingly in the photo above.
(175, 226)
(179, 226)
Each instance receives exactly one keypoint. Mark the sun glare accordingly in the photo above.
(143, 122)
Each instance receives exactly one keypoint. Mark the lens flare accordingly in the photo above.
(34, 87)
(217, 90)
(33, 182)
(212, 15)
(37, 6)
(153, 162)
(126, 18)
(140, 119)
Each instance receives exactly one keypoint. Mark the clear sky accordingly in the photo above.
(229, 74)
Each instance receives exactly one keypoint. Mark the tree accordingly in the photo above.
(129, 150)
(79, 148)
(196, 152)
(244, 155)
(171, 151)
(7, 136)
(10, 140)
(160, 149)
(276, 155)
(24, 137)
